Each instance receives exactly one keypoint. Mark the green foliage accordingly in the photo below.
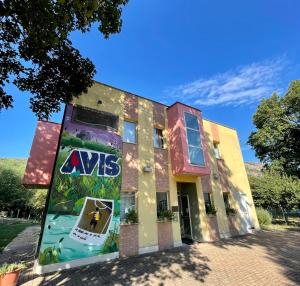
(112, 242)
(13, 195)
(37, 54)
(49, 255)
(68, 192)
(69, 140)
(6, 268)
(210, 210)
(274, 190)
(166, 215)
(230, 211)
(263, 216)
(10, 231)
(131, 216)
(276, 139)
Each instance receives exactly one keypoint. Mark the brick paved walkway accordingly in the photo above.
(266, 258)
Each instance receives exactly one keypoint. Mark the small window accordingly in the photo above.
(217, 151)
(226, 200)
(158, 138)
(127, 203)
(207, 200)
(129, 132)
(162, 202)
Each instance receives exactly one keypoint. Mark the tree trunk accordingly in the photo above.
(284, 215)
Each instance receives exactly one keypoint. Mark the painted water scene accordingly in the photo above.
(83, 215)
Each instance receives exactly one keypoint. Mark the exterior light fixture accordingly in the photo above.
(147, 169)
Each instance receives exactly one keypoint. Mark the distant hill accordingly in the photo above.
(16, 165)
(254, 169)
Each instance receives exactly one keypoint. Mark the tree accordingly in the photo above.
(276, 191)
(276, 139)
(37, 54)
(12, 194)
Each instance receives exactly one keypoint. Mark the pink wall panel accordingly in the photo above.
(39, 166)
(178, 141)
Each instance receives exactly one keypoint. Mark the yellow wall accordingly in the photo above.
(238, 181)
(112, 101)
(146, 180)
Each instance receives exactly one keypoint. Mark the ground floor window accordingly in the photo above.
(161, 203)
(127, 204)
(226, 200)
(209, 205)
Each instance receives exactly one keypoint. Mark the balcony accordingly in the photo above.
(188, 144)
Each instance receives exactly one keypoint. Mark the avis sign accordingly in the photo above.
(84, 162)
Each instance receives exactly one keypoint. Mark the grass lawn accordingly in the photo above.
(281, 227)
(9, 231)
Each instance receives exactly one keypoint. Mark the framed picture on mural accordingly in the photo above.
(94, 221)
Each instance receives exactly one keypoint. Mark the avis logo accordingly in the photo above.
(83, 163)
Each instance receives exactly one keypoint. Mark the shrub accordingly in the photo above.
(131, 216)
(165, 215)
(263, 216)
(6, 268)
(211, 210)
(230, 211)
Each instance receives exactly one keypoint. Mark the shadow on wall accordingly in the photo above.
(141, 270)
(240, 223)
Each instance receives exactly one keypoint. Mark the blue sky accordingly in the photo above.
(220, 56)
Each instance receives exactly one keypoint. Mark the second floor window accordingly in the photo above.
(129, 132)
(158, 138)
(217, 151)
(196, 155)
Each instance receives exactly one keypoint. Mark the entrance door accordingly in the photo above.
(185, 217)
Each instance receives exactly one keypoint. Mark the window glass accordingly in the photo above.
(161, 201)
(95, 118)
(196, 156)
(193, 137)
(191, 121)
(207, 200)
(158, 138)
(129, 132)
(226, 200)
(217, 151)
(127, 203)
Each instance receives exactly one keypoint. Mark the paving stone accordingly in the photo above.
(264, 258)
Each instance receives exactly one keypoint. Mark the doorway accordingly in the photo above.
(189, 214)
(185, 216)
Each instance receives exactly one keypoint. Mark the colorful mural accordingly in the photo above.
(83, 214)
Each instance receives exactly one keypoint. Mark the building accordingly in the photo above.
(172, 159)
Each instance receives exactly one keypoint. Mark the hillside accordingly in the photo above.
(253, 169)
(15, 165)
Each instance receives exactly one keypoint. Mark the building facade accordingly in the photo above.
(173, 161)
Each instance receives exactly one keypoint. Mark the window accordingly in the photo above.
(196, 155)
(209, 204)
(95, 118)
(207, 201)
(217, 151)
(226, 200)
(158, 138)
(127, 203)
(129, 132)
(161, 202)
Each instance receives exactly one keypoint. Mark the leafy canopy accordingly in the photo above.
(276, 140)
(37, 55)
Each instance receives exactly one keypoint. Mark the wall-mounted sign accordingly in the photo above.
(83, 213)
